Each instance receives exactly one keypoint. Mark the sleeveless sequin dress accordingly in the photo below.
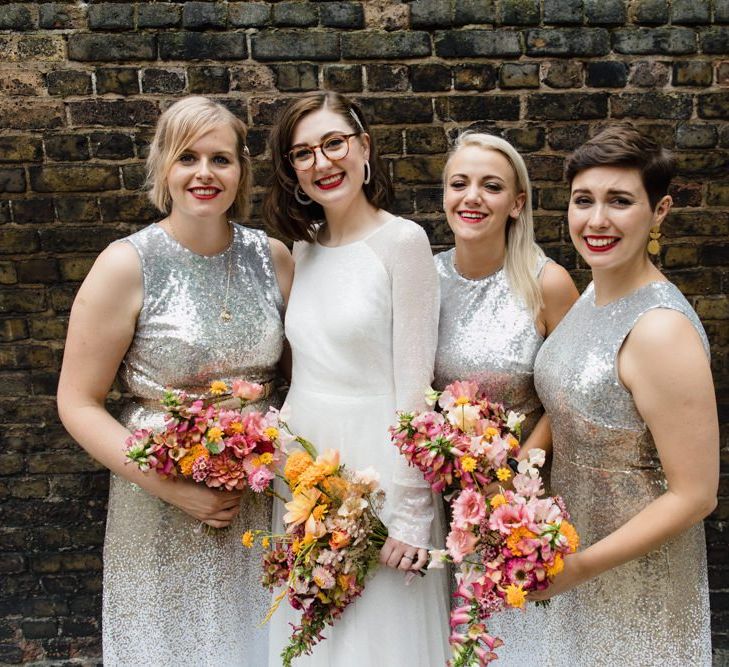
(488, 335)
(652, 611)
(174, 595)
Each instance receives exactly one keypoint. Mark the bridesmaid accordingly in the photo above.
(626, 382)
(362, 324)
(188, 300)
(500, 298)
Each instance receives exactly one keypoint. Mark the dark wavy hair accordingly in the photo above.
(624, 146)
(281, 210)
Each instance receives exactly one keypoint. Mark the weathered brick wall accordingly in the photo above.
(81, 85)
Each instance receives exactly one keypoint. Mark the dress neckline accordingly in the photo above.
(223, 253)
(366, 237)
(625, 297)
(472, 281)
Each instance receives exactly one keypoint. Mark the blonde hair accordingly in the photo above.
(523, 255)
(177, 129)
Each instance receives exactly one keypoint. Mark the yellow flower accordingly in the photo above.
(503, 474)
(271, 433)
(555, 568)
(515, 596)
(519, 534)
(266, 542)
(236, 427)
(265, 459)
(218, 387)
(335, 487)
(491, 432)
(513, 442)
(320, 512)
(296, 463)
(310, 477)
(497, 500)
(296, 546)
(568, 530)
(468, 463)
(214, 434)
(189, 459)
(247, 539)
(301, 506)
(462, 400)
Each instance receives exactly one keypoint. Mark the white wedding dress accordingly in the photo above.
(362, 323)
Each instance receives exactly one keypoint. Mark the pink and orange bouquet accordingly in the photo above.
(506, 546)
(216, 445)
(465, 445)
(332, 542)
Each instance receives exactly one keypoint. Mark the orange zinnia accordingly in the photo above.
(568, 530)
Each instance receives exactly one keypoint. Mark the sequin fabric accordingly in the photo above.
(487, 334)
(654, 610)
(174, 595)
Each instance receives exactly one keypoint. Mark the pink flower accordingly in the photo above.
(260, 479)
(200, 469)
(225, 471)
(460, 543)
(247, 391)
(458, 390)
(506, 518)
(469, 509)
(528, 486)
(521, 571)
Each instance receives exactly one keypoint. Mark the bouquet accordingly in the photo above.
(332, 542)
(221, 447)
(465, 446)
(504, 546)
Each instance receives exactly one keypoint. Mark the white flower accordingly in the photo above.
(464, 416)
(513, 419)
(438, 559)
(367, 476)
(537, 457)
(431, 396)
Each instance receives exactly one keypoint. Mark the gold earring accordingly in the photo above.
(654, 247)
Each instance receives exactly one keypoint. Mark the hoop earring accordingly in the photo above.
(654, 247)
(368, 173)
(300, 197)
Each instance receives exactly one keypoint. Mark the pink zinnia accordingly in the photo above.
(226, 471)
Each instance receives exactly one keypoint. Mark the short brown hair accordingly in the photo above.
(280, 209)
(624, 146)
(178, 128)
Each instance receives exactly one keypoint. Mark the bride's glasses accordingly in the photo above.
(334, 148)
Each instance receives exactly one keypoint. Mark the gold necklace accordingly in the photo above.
(225, 315)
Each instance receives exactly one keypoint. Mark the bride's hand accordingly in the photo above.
(214, 507)
(401, 556)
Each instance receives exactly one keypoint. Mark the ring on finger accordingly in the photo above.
(404, 556)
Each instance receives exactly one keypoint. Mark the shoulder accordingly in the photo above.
(280, 253)
(120, 260)
(556, 282)
(664, 330)
(406, 232)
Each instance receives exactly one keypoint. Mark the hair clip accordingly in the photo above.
(246, 152)
(356, 120)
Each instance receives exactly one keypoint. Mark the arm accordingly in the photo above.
(663, 364)
(416, 303)
(283, 264)
(559, 294)
(100, 330)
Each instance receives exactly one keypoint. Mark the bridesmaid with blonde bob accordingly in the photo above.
(625, 379)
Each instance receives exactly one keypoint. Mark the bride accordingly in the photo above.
(362, 323)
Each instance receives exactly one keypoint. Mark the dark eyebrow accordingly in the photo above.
(485, 178)
(323, 137)
(610, 192)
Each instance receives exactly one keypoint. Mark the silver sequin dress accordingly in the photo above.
(488, 335)
(653, 611)
(172, 594)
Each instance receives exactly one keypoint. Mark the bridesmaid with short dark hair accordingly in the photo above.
(625, 379)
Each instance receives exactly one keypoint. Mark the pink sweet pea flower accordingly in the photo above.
(469, 509)
(247, 391)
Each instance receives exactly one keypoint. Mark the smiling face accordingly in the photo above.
(610, 216)
(203, 181)
(480, 194)
(329, 182)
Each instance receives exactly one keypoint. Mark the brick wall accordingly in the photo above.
(81, 85)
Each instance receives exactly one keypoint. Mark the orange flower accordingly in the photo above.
(328, 462)
(338, 540)
(300, 507)
(568, 530)
(187, 461)
(310, 477)
(556, 567)
(497, 500)
(296, 463)
(335, 487)
(515, 596)
(513, 542)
